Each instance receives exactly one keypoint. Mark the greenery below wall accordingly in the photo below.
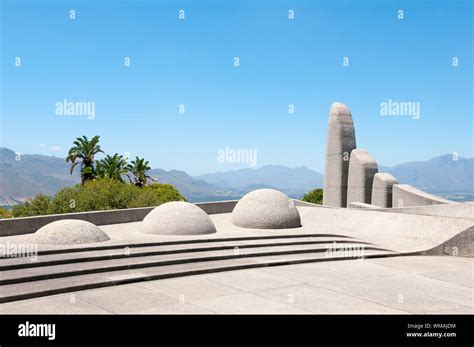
(314, 196)
(96, 195)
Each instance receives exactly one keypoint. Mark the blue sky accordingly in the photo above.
(282, 62)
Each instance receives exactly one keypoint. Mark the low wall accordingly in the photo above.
(26, 225)
(405, 195)
(309, 204)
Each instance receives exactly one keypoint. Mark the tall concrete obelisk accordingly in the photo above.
(340, 143)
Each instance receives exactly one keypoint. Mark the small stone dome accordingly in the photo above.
(69, 232)
(266, 209)
(177, 218)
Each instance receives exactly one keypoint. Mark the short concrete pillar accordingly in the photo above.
(362, 169)
(382, 189)
(340, 142)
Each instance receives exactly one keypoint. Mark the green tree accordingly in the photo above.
(37, 206)
(65, 200)
(155, 194)
(98, 195)
(83, 153)
(315, 196)
(138, 168)
(113, 167)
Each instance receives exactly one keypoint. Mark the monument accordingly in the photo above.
(362, 169)
(340, 142)
(382, 189)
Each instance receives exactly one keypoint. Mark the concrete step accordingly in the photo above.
(44, 287)
(274, 236)
(131, 252)
(178, 257)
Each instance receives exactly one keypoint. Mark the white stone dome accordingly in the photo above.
(177, 218)
(69, 232)
(266, 209)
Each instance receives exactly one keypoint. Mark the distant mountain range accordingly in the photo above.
(442, 174)
(26, 175)
(194, 189)
(33, 174)
(293, 181)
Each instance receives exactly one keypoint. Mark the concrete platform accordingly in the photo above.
(400, 232)
(61, 270)
(395, 285)
(131, 256)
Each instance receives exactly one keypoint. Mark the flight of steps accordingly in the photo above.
(67, 270)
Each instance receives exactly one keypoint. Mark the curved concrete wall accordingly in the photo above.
(461, 245)
(362, 169)
(340, 142)
(26, 225)
(382, 189)
(454, 210)
(405, 195)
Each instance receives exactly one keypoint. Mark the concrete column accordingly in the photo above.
(382, 189)
(340, 142)
(362, 169)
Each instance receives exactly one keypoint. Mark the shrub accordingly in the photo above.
(155, 194)
(5, 213)
(98, 195)
(314, 196)
(37, 206)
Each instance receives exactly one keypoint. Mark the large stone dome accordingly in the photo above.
(177, 218)
(69, 232)
(266, 209)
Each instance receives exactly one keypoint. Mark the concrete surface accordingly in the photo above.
(461, 245)
(405, 195)
(363, 206)
(414, 284)
(395, 231)
(454, 210)
(362, 169)
(382, 189)
(341, 141)
(266, 209)
(177, 218)
(26, 225)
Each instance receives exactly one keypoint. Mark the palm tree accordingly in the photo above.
(112, 167)
(138, 168)
(83, 153)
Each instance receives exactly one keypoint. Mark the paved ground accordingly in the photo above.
(416, 284)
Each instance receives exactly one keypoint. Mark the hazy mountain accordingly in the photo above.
(193, 189)
(29, 174)
(441, 174)
(33, 174)
(276, 176)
